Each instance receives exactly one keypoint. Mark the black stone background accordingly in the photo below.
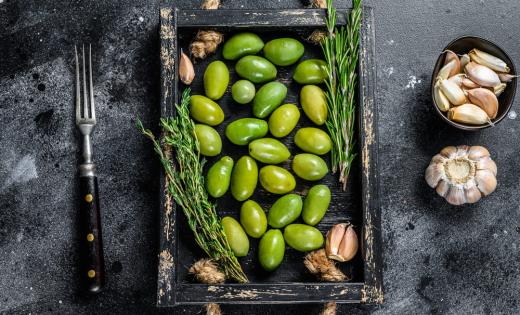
(438, 259)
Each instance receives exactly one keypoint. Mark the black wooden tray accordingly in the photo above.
(359, 204)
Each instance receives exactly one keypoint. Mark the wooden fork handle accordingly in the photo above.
(93, 260)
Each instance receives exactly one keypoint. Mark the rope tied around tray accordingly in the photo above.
(324, 269)
(206, 271)
(206, 41)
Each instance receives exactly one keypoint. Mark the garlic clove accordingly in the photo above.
(451, 56)
(438, 158)
(442, 188)
(464, 59)
(486, 163)
(440, 99)
(499, 89)
(452, 92)
(433, 174)
(186, 71)
(449, 152)
(462, 150)
(456, 196)
(334, 237)
(468, 114)
(486, 181)
(472, 194)
(349, 245)
(488, 60)
(481, 75)
(457, 79)
(469, 84)
(484, 99)
(477, 152)
(446, 70)
(506, 77)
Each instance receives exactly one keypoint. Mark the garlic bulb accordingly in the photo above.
(462, 174)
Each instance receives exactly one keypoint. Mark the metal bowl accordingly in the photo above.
(462, 46)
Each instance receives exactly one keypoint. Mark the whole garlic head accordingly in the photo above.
(462, 174)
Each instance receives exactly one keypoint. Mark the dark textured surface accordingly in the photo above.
(438, 259)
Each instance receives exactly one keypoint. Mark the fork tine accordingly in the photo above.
(78, 93)
(91, 86)
(85, 95)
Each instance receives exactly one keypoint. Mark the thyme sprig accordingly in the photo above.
(185, 182)
(341, 48)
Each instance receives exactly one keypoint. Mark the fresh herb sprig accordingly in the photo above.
(185, 182)
(341, 48)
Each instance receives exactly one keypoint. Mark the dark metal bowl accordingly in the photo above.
(462, 46)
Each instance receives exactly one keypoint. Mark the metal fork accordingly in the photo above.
(93, 268)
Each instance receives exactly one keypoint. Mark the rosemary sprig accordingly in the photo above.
(186, 185)
(341, 48)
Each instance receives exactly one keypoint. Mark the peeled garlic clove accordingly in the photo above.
(482, 75)
(457, 79)
(488, 60)
(334, 237)
(484, 99)
(464, 59)
(468, 114)
(451, 56)
(186, 71)
(477, 152)
(349, 245)
(440, 99)
(449, 152)
(472, 194)
(433, 174)
(486, 181)
(446, 70)
(506, 77)
(469, 84)
(499, 89)
(486, 163)
(453, 92)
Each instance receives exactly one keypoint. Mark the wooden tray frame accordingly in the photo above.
(169, 291)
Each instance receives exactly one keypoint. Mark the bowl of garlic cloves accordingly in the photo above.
(473, 83)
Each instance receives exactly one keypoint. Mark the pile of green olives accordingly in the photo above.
(271, 120)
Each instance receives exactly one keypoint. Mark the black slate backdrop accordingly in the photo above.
(438, 258)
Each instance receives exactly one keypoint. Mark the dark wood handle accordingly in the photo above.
(93, 260)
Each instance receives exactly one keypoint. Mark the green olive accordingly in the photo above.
(236, 236)
(244, 178)
(243, 91)
(271, 249)
(205, 111)
(268, 98)
(256, 69)
(283, 51)
(309, 166)
(313, 140)
(302, 237)
(210, 143)
(268, 151)
(216, 79)
(310, 71)
(242, 44)
(276, 180)
(314, 104)
(253, 219)
(244, 130)
(283, 120)
(285, 210)
(316, 204)
(219, 176)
